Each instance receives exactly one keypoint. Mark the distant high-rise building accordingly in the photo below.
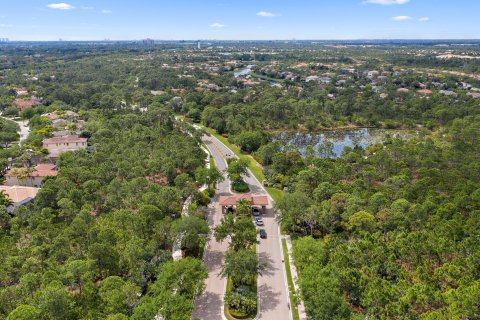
(199, 45)
(3, 39)
(148, 42)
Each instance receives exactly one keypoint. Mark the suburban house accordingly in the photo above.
(30, 178)
(474, 94)
(22, 104)
(312, 78)
(19, 195)
(447, 93)
(424, 91)
(58, 145)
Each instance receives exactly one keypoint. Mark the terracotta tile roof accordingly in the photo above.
(64, 139)
(52, 116)
(474, 94)
(19, 194)
(25, 103)
(233, 200)
(425, 91)
(41, 170)
(251, 83)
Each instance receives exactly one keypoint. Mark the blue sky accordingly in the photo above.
(246, 19)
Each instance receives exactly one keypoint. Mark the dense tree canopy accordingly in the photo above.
(98, 238)
(393, 230)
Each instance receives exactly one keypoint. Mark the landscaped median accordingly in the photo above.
(241, 301)
(241, 266)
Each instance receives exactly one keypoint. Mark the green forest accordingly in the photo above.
(96, 244)
(392, 231)
(386, 231)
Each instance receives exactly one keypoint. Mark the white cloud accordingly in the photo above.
(265, 14)
(217, 25)
(61, 6)
(106, 11)
(402, 18)
(424, 19)
(386, 2)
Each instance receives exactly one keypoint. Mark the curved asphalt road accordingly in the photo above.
(272, 285)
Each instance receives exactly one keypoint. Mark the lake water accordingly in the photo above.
(243, 72)
(330, 144)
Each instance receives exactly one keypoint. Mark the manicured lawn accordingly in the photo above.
(276, 194)
(261, 76)
(291, 288)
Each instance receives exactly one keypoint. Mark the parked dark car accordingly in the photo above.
(256, 212)
(263, 233)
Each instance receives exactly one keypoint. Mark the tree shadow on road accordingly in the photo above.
(213, 259)
(265, 259)
(268, 299)
(208, 307)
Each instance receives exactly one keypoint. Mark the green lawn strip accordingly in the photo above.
(291, 287)
(263, 77)
(276, 194)
(212, 163)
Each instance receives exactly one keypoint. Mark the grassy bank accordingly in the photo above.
(264, 77)
(291, 287)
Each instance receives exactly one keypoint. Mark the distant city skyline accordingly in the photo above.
(38, 20)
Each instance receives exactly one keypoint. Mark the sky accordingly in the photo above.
(234, 20)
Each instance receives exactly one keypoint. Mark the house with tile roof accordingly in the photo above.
(58, 145)
(19, 195)
(30, 177)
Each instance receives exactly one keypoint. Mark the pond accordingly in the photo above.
(330, 144)
(243, 72)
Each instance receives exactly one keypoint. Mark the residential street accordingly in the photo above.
(24, 128)
(210, 304)
(272, 285)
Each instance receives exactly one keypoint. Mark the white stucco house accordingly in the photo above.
(58, 145)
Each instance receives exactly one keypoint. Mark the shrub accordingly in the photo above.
(241, 187)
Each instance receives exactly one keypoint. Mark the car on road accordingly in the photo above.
(256, 212)
(259, 221)
(263, 234)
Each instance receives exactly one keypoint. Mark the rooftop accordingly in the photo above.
(234, 199)
(19, 194)
(425, 91)
(64, 139)
(41, 170)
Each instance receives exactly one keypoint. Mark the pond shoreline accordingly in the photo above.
(331, 143)
(333, 129)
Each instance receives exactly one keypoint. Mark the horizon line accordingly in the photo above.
(220, 40)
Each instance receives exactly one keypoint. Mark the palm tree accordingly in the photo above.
(4, 199)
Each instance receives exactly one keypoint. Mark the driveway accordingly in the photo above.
(209, 306)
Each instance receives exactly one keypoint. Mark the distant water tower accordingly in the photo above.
(199, 45)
